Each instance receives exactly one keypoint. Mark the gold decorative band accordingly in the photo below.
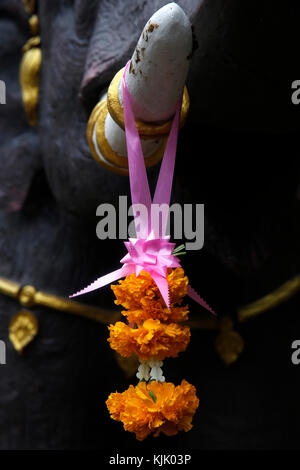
(29, 297)
(113, 161)
(146, 130)
(284, 292)
(89, 136)
(229, 344)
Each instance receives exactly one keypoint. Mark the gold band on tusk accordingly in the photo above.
(113, 161)
(147, 130)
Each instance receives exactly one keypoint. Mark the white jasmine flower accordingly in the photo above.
(156, 372)
(143, 371)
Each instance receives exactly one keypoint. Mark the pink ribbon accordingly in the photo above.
(151, 251)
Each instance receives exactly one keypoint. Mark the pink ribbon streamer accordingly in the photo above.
(151, 251)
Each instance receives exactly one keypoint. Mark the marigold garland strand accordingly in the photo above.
(153, 333)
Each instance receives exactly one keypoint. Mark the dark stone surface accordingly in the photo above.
(238, 155)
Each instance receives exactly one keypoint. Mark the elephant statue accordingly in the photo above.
(237, 155)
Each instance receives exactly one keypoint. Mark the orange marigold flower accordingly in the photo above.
(132, 289)
(153, 339)
(142, 299)
(157, 312)
(154, 408)
(178, 285)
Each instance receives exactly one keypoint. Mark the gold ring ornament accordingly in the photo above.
(147, 130)
(101, 149)
(156, 77)
(153, 135)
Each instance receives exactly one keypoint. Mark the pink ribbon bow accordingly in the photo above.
(151, 251)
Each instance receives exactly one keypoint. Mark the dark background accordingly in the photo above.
(238, 154)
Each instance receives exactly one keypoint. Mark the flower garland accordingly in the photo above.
(153, 334)
(151, 294)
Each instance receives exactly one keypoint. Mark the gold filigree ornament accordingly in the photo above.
(30, 68)
(23, 328)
